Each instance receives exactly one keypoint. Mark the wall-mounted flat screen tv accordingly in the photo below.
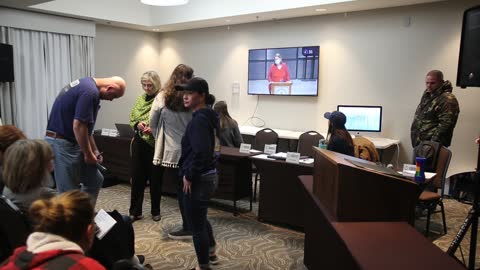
(283, 71)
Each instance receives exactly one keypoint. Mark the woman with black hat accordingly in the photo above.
(339, 140)
(197, 167)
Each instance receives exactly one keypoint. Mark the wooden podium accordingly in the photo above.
(281, 88)
(352, 194)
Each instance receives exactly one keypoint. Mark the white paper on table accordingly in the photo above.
(307, 161)
(262, 156)
(104, 223)
(105, 131)
(253, 151)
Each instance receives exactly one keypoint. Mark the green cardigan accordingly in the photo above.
(141, 112)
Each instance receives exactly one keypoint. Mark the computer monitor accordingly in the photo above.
(362, 118)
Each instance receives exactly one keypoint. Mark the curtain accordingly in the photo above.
(43, 64)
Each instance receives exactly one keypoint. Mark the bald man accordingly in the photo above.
(70, 132)
(437, 113)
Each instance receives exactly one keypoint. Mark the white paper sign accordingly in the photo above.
(245, 148)
(409, 170)
(104, 223)
(105, 131)
(270, 149)
(113, 133)
(293, 157)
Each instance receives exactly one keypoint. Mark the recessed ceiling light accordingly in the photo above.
(156, 29)
(228, 20)
(321, 9)
(164, 2)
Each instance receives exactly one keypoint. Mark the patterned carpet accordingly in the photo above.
(242, 241)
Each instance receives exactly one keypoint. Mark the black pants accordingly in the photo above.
(143, 170)
(181, 203)
(196, 208)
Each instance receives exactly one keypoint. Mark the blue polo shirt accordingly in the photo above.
(79, 100)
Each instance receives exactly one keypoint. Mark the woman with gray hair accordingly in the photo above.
(142, 148)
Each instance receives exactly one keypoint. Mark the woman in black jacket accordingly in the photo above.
(197, 167)
(339, 140)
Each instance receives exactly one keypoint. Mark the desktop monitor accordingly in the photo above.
(362, 118)
(289, 71)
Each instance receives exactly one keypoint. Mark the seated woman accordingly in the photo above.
(229, 134)
(27, 164)
(339, 140)
(8, 135)
(63, 232)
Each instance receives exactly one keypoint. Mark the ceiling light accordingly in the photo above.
(164, 2)
(228, 20)
(320, 9)
(156, 29)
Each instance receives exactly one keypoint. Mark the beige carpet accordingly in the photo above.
(242, 241)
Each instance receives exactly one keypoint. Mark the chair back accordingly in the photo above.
(14, 228)
(306, 141)
(264, 136)
(441, 168)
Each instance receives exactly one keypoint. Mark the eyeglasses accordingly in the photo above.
(147, 85)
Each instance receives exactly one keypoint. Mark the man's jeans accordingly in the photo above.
(71, 171)
(196, 208)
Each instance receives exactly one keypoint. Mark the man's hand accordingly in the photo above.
(99, 156)
(91, 159)
(187, 186)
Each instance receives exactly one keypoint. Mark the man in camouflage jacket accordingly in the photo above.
(437, 113)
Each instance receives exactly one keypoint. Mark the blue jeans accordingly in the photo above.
(196, 208)
(71, 171)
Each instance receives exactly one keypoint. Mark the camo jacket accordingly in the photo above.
(436, 116)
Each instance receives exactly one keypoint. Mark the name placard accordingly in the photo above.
(113, 133)
(245, 148)
(270, 149)
(409, 170)
(293, 157)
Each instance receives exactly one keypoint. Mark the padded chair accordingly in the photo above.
(14, 228)
(430, 199)
(306, 141)
(262, 137)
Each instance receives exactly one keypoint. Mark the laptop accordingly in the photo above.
(125, 130)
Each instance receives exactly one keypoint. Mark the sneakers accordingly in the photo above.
(156, 218)
(213, 259)
(180, 235)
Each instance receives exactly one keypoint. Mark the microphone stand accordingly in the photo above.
(470, 220)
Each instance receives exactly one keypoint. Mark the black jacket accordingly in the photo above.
(198, 145)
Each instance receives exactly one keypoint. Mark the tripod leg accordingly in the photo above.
(473, 243)
(460, 235)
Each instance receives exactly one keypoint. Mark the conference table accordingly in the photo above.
(281, 199)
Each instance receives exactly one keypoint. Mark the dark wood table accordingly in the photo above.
(365, 245)
(116, 156)
(234, 176)
(281, 199)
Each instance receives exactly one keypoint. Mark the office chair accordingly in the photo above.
(262, 137)
(306, 141)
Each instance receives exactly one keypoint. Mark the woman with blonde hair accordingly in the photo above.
(168, 120)
(229, 134)
(63, 232)
(142, 150)
(27, 165)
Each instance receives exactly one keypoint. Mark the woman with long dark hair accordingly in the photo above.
(338, 138)
(229, 134)
(168, 121)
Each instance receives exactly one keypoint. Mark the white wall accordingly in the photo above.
(367, 57)
(125, 53)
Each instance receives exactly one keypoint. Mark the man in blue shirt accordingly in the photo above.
(70, 132)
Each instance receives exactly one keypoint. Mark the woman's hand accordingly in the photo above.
(477, 141)
(141, 126)
(187, 186)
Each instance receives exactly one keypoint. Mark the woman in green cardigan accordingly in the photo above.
(142, 149)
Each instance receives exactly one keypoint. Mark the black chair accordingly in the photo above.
(14, 228)
(262, 137)
(306, 141)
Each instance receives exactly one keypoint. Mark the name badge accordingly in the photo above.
(409, 170)
(245, 148)
(270, 149)
(293, 157)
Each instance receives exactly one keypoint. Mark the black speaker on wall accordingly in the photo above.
(6, 63)
(469, 62)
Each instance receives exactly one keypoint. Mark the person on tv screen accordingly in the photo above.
(278, 72)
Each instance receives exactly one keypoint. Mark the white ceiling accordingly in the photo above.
(197, 13)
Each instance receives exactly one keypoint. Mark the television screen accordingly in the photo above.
(283, 71)
(362, 118)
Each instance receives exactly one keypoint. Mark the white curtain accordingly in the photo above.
(43, 64)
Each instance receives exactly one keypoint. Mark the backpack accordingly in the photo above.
(428, 150)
